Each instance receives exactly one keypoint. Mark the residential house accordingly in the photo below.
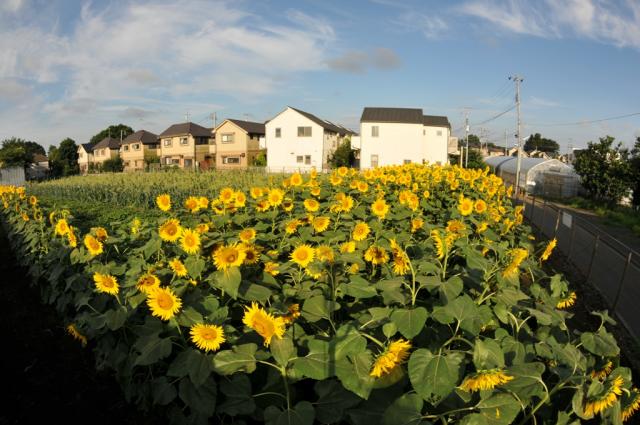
(452, 146)
(85, 157)
(39, 167)
(237, 143)
(391, 136)
(298, 140)
(107, 148)
(187, 145)
(137, 147)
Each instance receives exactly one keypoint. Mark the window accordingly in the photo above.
(278, 132)
(136, 146)
(202, 140)
(375, 131)
(126, 163)
(227, 138)
(184, 141)
(304, 131)
(407, 161)
(307, 158)
(374, 160)
(166, 143)
(175, 161)
(188, 163)
(125, 148)
(439, 132)
(299, 159)
(231, 160)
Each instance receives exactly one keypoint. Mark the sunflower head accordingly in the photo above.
(247, 235)
(360, 231)
(170, 230)
(163, 202)
(93, 245)
(148, 282)
(380, 208)
(207, 337)
(106, 283)
(265, 324)
(164, 303)
(229, 256)
(320, 224)
(190, 241)
(178, 267)
(303, 255)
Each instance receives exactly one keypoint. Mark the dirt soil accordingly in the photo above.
(49, 377)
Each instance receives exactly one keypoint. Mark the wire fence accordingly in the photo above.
(608, 264)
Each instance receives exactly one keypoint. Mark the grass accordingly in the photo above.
(618, 216)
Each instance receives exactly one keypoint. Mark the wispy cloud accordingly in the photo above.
(431, 26)
(606, 21)
(179, 51)
(360, 61)
(542, 103)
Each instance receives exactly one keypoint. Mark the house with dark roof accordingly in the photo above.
(298, 140)
(107, 148)
(85, 157)
(138, 147)
(392, 136)
(237, 143)
(187, 145)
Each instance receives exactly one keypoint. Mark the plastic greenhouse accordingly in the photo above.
(538, 176)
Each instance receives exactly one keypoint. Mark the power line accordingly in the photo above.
(494, 117)
(586, 122)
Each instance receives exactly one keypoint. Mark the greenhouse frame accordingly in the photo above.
(538, 176)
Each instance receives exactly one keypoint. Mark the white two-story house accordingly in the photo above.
(297, 140)
(393, 136)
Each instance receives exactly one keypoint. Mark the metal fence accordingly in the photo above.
(608, 264)
(12, 176)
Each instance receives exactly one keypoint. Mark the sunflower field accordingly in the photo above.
(401, 295)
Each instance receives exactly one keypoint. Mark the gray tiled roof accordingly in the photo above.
(147, 138)
(187, 128)
(107, 142)
(436, 121)
(397, 115)
(249, 126)
(331, 127)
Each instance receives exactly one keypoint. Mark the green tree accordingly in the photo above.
(16, 152)
(260, 160)
(474, 141)
(475, 160)
(343, 156)
(63, 160)
(537, 142)
(605, 170)
(112, 131)
(635, 170)
(113, 165)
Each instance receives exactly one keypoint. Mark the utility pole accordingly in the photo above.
(186, 116)
(517, 80)
(466, 137)
(214, 118)
(506, 144)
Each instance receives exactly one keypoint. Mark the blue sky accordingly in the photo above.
(70, 68)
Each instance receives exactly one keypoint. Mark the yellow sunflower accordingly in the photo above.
(275, 197)
(465, 206)
(480, 206)
(170, 230)
(605, 401)
(485, 380)
(548, 250)
(106, 283)
(190, 241)
(148, 282)
(348, 247)
(376, 255)
(93, 245)
(325, 253)
(630, 403)
(192, 204)
(303, 255)
(101, 233)
(271, 268)
(296, 179)
(75, 333)
(396, 353)
(247, 235)
(360, 231)
(207, 337)
(62, 227)
(311, 205)
(380, 208)
(164, 202)
(518, 255)
(416, 224)
(226, 195)
(228, 256)
(292, 226)
(251, 254)
(265, 324)
(568, 301)
(320, 224)
(178, 267)
(164, 303)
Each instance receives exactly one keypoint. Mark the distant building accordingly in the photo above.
(298, 140)
(187, 145)
(39, 167)
(135, 147)
(237, 143)
(85, 157)
(107, 148)
(393, 136)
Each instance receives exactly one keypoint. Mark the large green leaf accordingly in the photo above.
(301, 414)
(282, 350)
(189, 317)
(528, 380)
(353, 371)
(116, 318)
(487, 354)
(434, 376)
(317, 364)
(200, 399)
(238, 400)
(346, 341)
(152, 348)
(358, 287)
(316, 308)
(410, 322)
(333, 400)
(195, 266)
(601, 343)
(406, 410)
(228, 281)
(499, 408)
(163, 392)
(200, 367)
(239, 358)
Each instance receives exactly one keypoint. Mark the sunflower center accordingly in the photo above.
(209, 334)
(165, 302)
(302, 255)
(107, 282)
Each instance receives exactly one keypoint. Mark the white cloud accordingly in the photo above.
(12, 5)
(359, 61)
(431, 26)
(606, 21)
(542, 103)
(179, 52)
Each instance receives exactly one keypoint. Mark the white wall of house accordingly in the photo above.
(436, 143)
(290, 152)
(395, 143)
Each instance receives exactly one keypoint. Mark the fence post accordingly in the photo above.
(533, 207)
(624, 274)
(555, 231)
(544, 213)
(573, 233)
(593, 256)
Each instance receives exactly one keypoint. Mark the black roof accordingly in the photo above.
(88, 147)
(249, 126)
(146, 137)
(187, 128)
(327, 125)
(399, 115)
(107, 142)
(436, 121)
